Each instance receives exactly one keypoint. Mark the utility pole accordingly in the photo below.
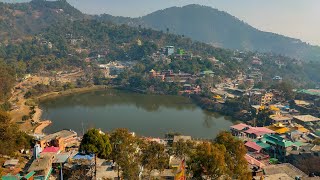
(95, 167)
(61, 174)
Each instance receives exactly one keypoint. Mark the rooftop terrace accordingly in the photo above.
(60, 134)
(307, 118)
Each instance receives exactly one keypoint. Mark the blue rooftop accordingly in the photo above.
(84, 156)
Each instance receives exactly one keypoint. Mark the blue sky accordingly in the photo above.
(294, 18)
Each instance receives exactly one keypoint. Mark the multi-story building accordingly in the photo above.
(61, 139)
(169, 50)
(260, 98)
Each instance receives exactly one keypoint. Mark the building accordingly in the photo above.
(305, 119)
(28, 176)
(280, 119)
(61, 139)
(279, 128)
(256, 61)
(169, 50)
(260, 98)
(11, 163)
(181, 138)
(257, 132)
(238, 129)
(209, 73)
(155, 74)
(246, 131)
(277, 78)
(282, 171)
(189, 89)
(252, 146)
(280, 147)
(42, 167)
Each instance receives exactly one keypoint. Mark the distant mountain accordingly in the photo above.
(221, 29)
(20, 19)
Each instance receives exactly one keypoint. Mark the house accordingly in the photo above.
(42, 167)
(277, 78)
(243, 130)
(169, 50)
(300, 128)
(252, 146)
(282, 171)
(175, 162)
(257, 132)
(280, 119)
(256, 61)
(280, 146)
(238, 129)
(209, 73)
(306, 119)
(260, 98)
(279, 128)
(257, 159)
(181, 138)
(61, 139)
(189, 89)
(155, 74)
(11, 163)
(51, 149)
(29, 176)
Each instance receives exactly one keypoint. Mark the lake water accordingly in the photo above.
(147, 115)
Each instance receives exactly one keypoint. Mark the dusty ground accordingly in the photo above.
(104, 172)
(20, 108)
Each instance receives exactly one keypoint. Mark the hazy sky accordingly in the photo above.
(294, 18)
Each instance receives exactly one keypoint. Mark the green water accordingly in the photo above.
(147, 115)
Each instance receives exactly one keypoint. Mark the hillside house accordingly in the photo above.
(61, 139)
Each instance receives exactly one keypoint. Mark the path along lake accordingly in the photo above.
(146, 115)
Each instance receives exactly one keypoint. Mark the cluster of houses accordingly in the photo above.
(268, 147)
(50, 153)
(114, 68)
(283, 141)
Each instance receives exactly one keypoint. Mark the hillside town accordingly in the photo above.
(280, 134)
(265, 86)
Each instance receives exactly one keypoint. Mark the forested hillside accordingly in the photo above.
(21, 19)
(71, 37)
(219, 28)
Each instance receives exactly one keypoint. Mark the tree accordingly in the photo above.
(286, 88)
(182, 148)
(208, 160)
(7, 80)
(154, 157)
(11, 139)
(237, 166)
(4, 117)
(96, 142)
(124, 147)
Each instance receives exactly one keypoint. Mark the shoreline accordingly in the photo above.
(45, 123)
(42, 124)
(36, 124)
(53, 95)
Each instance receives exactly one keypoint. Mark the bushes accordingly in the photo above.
(25, 118)
(6, 106)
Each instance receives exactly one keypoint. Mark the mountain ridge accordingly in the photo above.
(220, 29)
(200, 23)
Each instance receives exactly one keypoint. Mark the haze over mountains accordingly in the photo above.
(200, 23)
(221, 29)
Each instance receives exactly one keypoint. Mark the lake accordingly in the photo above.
(146, 115)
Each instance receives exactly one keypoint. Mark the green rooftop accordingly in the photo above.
(276, 140)
(309, 91)
(298, 143)
(317, 132)
(263, 145)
